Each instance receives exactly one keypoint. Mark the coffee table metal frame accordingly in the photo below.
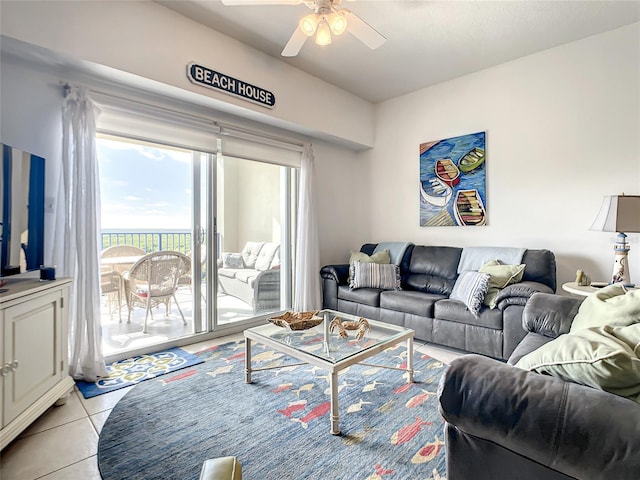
(332, 367)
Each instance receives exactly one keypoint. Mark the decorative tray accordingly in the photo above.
(297, 320)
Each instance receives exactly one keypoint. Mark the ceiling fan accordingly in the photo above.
(326, 19)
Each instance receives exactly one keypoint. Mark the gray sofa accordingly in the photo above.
(428, 274)
(504, 422)
(252, 275)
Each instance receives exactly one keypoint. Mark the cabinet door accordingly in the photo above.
(2, 363)
(32, 345)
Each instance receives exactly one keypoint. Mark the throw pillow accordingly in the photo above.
(501, 276)
(612, 305)
(470, 288)
(232, 260)
(374, 275)
(605, 358)
(378, 257)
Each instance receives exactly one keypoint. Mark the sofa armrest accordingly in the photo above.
(550, 315)
(337, 273)
(576, 430)
(519, 293)
(267, 280)
(266, 290)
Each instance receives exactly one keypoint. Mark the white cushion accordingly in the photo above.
(250, 253)
(265, 257)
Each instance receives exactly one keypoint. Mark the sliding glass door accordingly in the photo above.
(153, 202)
(230, 213)
(253, 219)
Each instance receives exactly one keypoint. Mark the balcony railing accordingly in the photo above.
(149, 240)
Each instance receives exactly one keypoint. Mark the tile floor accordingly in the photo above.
(63, 443)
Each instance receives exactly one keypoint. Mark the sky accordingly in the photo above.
(144, 187)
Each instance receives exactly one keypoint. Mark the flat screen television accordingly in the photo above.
(21, 211)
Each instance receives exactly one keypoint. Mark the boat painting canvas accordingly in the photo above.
(453, 181)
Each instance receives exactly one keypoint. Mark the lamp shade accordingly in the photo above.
(337, 22)
(323, 37)
(618, 213)
(309, 24)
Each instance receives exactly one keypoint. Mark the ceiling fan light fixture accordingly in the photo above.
(309, 24)
(338, 23)
(323, 37)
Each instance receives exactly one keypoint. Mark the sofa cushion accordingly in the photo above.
(247, 275)
(605, 358)
(250, 253)
(377, 257)
(374, 275)
(408, 301)
(266, 256)
(612, 305)
(455, 311)
(366, 296)
(433, 269)
(470, 288)
(232, 260)
(541, 267)
(501, 276)
(229, 272)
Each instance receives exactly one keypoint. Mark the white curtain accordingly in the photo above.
(77, 248)
(307, 272)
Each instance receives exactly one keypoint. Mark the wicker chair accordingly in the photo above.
(112, 285)
(153, 280)
(120, 251)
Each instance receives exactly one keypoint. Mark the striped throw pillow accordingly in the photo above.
(470, 288)
(374, 275)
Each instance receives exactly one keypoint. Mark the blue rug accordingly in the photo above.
(278, 427)
(130, 371)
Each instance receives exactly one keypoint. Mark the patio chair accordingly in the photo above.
(112, 285)
(153, 280)
(123, 252)
(186, 280)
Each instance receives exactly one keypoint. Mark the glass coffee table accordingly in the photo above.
(335, 354)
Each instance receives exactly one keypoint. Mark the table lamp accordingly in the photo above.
(619, 213)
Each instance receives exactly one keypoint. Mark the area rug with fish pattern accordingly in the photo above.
(128, 372)
(279, 426)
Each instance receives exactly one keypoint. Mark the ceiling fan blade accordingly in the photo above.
(363, 31)
(295, 43)
(234, 3)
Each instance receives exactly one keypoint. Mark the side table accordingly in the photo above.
(584, 290)
(580, 290)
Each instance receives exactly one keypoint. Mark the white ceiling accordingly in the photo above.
(428, 42)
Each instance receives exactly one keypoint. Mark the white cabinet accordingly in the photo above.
(33, 351)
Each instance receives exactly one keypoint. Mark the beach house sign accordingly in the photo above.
(219, 81)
